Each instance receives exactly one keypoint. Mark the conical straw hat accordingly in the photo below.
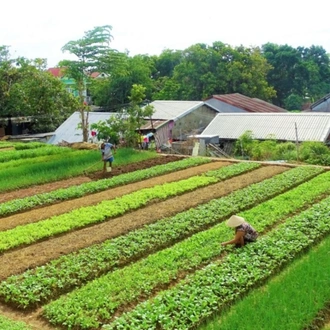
(235, 221)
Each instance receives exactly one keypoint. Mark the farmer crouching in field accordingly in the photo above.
(107, 155)
(244, 232)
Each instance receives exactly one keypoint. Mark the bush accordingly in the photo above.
(315, 153)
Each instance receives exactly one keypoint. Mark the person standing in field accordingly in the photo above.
(107, 155)
(244, 232)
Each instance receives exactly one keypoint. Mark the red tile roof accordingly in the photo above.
(94, 74)
(248, 104)
(56, 72)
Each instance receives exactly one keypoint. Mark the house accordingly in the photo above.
(69, 83)
(295, 127)
(238, 103)
(322, 105)
(70, 132)
(175, 120)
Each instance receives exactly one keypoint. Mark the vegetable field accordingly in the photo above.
(140, 247)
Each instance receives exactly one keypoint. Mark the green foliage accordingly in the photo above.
(44, 170)
(91, 51)
(7, 324)
(218, 69)
(286, 151)
(297, 73)
(100, 185)
(108, 130)
(244, 145)
(25, 85)
(127, 122)
(301, 284)
(314, 153)
(293, 102)
(264, 150)
(202, 293)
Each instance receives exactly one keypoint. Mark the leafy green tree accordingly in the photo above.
(128, 121)
(166, 62)
(117, 88)
(91, 51)
(304, 72)
(283, 60)
(293, 102)
(219, 69)
(104, 90)
(28, 90)
(4, 54)
(109, 130)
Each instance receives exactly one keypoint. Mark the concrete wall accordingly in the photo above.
(193, 123)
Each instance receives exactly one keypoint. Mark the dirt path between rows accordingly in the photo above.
(19, 260)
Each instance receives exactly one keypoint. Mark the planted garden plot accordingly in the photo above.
(144, 252)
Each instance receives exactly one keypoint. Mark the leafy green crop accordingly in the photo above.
(219, 284)
(96, 186)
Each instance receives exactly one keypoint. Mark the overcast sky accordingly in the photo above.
(40, 28)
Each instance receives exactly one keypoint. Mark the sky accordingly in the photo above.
(40, 28)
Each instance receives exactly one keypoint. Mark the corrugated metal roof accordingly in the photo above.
(174, 109)
(237, 102)
(310, 126)
(69, 130)
(154, 124)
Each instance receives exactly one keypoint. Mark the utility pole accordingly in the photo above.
(297, 142)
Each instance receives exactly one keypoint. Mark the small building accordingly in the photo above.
(70, 130)
(174, 121)
(295, 127)
(69, 83)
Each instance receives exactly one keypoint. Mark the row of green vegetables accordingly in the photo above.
(220, 283)
(97, 186)
(296, 299)
(140, 279)
(84, 216)
(22, 145)
(34, 152)
(61, 275)
(72, 163)
(8, 324)
(40, 159)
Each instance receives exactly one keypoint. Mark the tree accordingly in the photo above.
(303, 72)
(218, 69)
(28, 90)
(128, 121)
(114, 92)
(91, 51)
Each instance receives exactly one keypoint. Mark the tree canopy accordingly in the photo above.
(27, 89)
(281, 74)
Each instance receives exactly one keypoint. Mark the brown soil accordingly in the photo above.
(17, 261)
